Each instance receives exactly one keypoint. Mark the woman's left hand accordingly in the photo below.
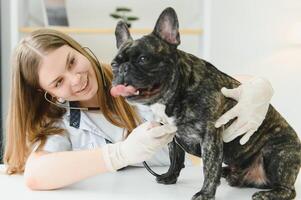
(253, 99)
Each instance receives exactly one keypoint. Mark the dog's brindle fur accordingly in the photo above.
(190, 90)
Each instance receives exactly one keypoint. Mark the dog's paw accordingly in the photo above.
(201, 196)
(233, 178)
(167, 180)
(226, 171)
(277, 193)
(260, 196)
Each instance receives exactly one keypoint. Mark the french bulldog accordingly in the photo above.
(185, 90)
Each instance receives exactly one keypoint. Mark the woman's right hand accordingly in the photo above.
(139, 146)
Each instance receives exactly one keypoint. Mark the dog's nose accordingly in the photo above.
(124, 68)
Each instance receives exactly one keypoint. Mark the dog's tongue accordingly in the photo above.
(122, 90)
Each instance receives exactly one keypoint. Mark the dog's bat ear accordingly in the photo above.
(167, 26)
(122, 33)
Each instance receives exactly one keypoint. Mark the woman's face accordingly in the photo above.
(67, 74)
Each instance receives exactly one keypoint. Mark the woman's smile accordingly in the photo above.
(84, 87)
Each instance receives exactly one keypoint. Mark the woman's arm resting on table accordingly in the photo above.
(253, 98)
(45, 171)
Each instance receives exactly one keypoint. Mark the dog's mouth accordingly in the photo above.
(133, 93)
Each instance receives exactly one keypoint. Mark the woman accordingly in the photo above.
(64, 126)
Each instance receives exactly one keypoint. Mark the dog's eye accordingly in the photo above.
(142, 59)
(114, 64)
(119, 57)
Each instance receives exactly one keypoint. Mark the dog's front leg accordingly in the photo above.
(212, 155)
(177, 158)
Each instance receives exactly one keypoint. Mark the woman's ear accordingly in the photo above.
(61, 100)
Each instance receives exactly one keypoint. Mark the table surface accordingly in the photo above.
(130, 183)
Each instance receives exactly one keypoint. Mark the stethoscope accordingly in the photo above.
(172, 164)
(63, 105)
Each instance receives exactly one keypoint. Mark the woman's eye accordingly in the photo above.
(59, 83)
(72, 61)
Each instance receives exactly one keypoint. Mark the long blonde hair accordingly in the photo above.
(31, 118)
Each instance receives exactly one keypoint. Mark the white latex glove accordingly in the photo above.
(139, 146)
(253, 98)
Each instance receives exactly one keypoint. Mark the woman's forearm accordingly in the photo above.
(46, 171)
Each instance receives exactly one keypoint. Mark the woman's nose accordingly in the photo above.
(76, 79)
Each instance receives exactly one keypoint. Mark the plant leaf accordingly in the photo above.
(114, 15)
(132, 18)
(124, 9)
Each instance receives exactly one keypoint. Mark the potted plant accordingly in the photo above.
(122, 13)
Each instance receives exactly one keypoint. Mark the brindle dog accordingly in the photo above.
(188, 88)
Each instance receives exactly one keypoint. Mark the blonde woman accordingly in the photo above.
(63, 125)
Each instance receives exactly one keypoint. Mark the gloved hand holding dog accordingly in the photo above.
(140, 145)
(253, 99)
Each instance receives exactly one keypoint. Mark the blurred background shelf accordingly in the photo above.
(74, 30)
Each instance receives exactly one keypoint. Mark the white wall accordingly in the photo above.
(258, 37)
(96, 14)
(9, 38)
